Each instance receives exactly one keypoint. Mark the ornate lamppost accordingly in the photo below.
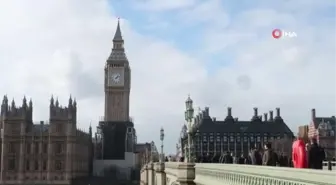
(162, 138)
(189, 115)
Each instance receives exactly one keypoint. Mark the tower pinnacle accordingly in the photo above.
(117, 35)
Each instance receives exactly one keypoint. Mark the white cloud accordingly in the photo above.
(61, 47)
(158, 5)
(62, 50)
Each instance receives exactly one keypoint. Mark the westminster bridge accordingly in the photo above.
(181, 173)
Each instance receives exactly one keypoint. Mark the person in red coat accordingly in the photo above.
(299, 154)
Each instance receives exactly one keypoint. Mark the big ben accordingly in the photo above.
(117, 129)
(117, 81)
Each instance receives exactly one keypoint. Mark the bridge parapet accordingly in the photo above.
(178, 173)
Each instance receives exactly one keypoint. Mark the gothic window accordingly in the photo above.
(225, 138)
(251, 138)
(11, 148)
(118, 101)
(58, 128)
(27, 165)
(28, 147)
(218, 138)
(59, 148)
(231, 138)
(204, 138)
(238, 138)
(265, 137)
(211, 138)
(245, 138)
(58, 165)
(11, 164)
(36, 166)
(45, 147)
(44, 165)
(258, 139)
(36, 146)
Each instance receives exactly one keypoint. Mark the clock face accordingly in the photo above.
(116, 77)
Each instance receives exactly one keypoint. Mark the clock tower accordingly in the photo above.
(117, 129)
(117, 84)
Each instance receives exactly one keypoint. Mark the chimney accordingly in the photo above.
(236, 119)
(277, 112)
(214, 119)
(265, 117)
(271, 115)
(313, 114)
(229, 113)
(206, 111)
(255, 111)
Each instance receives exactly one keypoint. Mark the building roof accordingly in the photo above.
(142, 147)
(276, 126)
(205, 124)
(331, 120)
(117, 35)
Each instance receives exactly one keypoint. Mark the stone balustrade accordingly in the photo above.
(329, 165)
(179, 173)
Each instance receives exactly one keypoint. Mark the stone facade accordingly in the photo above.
(323, 130)
(47, 152)
(212, 136)
(117, 82)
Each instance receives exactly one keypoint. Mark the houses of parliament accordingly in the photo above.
(54, 151)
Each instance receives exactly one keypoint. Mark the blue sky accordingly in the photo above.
(188, 36)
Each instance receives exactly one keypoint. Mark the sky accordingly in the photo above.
(220, 52)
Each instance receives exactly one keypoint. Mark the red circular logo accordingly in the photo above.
(276, 33)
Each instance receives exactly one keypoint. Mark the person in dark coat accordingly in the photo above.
(316, 155)
(215, 158)
(269, 157)
(290, 162)
(241, 159)
(200, 159)
(228, 159)
(207, 158)
(255, 156)
(282, 160)
(248, 159)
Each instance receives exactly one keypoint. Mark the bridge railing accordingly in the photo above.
(179, 173)
(329, 165)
